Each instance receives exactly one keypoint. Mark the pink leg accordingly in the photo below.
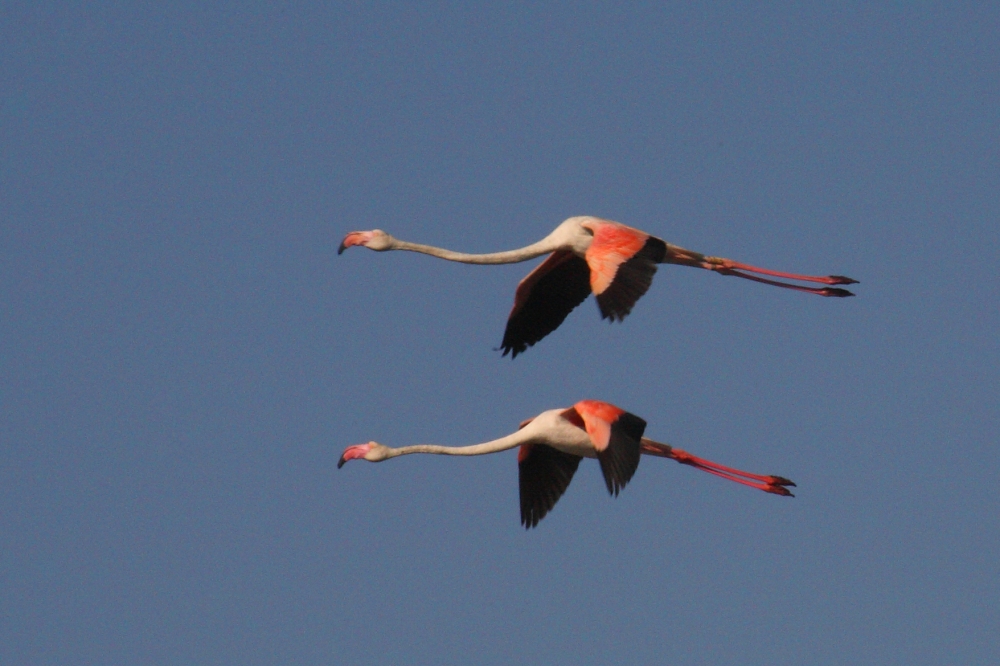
(823, 279)
(678, 255)
(819, 291)
(767, 483)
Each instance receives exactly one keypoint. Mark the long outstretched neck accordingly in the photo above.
(678, 255)
(766, 482)
(508, 442)
(544, 246)
(375, 452)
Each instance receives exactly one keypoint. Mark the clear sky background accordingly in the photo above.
(184, 356)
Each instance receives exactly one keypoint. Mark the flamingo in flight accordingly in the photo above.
(588, 254)
(553, 443)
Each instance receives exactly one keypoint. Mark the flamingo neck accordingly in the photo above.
(544, 246)
(504, 443)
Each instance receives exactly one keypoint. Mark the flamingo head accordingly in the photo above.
(376, 239)
(372, 452)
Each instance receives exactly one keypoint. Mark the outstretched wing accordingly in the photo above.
(543, 474)
(616, 435)
(622, 262)
(543, 300)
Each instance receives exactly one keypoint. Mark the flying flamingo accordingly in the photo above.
(587, 254)
(553, 443)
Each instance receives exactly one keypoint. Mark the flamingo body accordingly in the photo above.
(552, 444)
(587, 255)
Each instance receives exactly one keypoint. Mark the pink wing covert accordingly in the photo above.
(616, 435)
(613, 245)
(622, 263)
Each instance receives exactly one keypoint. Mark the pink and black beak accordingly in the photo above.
(353, 453)
(354, 238)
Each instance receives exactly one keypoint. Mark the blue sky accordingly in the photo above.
(184, 356)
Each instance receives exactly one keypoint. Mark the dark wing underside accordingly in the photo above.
(621, 457)
(631, 280)
(543, 474)
(543, 300)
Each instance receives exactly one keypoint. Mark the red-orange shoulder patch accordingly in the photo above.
(597, 419)
(613, 245)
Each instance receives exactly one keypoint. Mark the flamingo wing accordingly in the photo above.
(616, 435)
(622, 262)
(543, 474)
(543, 300)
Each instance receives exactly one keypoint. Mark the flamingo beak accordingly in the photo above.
(353, 453)
(354, 238)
